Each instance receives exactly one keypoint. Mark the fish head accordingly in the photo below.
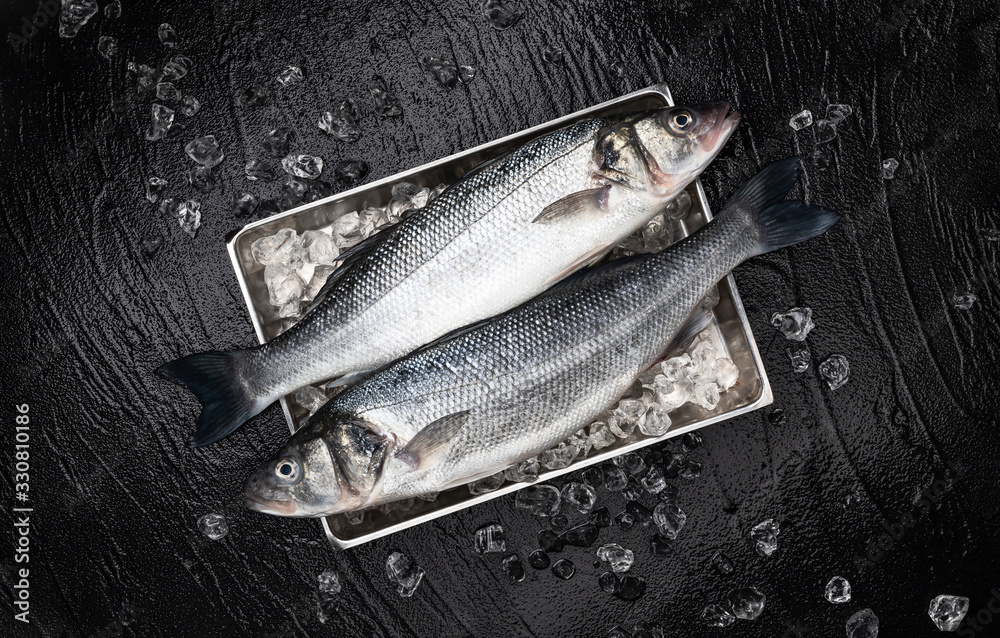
(660, 152)
(326, 467)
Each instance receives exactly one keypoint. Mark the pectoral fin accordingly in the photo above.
(586, 204)
(433, 441)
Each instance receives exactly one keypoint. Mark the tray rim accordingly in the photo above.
(766, 395)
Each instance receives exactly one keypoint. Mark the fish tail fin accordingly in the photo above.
(777, 223)
(213, 378)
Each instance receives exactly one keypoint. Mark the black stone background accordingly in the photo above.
(116, 493)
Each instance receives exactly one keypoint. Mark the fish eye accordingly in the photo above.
(287, 469)
(681, 121)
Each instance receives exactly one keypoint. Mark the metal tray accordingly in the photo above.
(731, 329)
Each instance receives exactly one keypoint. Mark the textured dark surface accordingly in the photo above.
(116, 494)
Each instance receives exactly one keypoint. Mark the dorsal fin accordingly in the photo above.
(431, 442)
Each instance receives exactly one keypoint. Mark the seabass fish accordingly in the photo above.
(502, 234)
(504, 391)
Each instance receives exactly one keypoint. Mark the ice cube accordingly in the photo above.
(168, 206)
(260, 170)
(670, 519)
(722, 563)
(726, 373)
(889, 167)
(553, 55)
(75, 14)
(310, 398)
(617, 557)
(800, 357)
(201, 178)
(706, 395)
(801, 120)
(689, 470)
(676, 368)
(538, 559)
(825, 132)
(624, 520)
(283, 284)
(466, 73)
(579, 496)
(205, 151)
(409, 196)
(341, 122)
(244, 205)
(947, 612)
(155, 187)
(514, 568)
(189, 105)
(600, 436)
(107, 47)
(541, 500)
(280, 248)
(765, 536)
(256, 96)
(549, 541)
(716, 616)
(214, 526)
(625, 417)
(838, 590)
(278, 141)
(747, 603)
(558, 457)
(486, 484)
(863, 624)
(161, 119)
(351, 171)
(821, 157)
(167, 35)
(151, 244)
(671, 395)
(615, 479)
(403, 573)
(329, 582)
(442, 69)
(502, 14)
(289, 75)
(113, 10)
(146, 76)
(691, 441)
(437, 190)
(319, 189)
(963, 300)
(321, 274)
(304, 166)
(837, 113)
(631, 463)
(356, 517)
(563, 569)
(347, 225)
(189, 216)
(835, 371)
(655, 421)
(490, 540)
(386, 104)
(679, 207)
(523, 472)
(583, 535)
(794, 323)
(630, 587)
(177, 67)
(320, 247)
(167, 91)
(654, 482)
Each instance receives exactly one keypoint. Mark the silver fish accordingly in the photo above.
(501, 235)
(518, 384)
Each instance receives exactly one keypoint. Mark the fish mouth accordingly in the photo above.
(726, 121)
(269, 506)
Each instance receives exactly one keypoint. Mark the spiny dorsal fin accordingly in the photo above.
(588, 203)
(432, 441)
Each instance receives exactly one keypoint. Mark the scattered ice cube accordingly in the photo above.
(160, 121)
(540, 500)
(351, 171)
(799, 355)
(310, 398)
(889, 167)
(486, 484)
(75, 14)
(289, 75)
(631, 463)
(825, 132)
(260, 170)
(801, 120)
(205, 151)
(466, 73)
(821, 157)
(679, 207)
(691, 441)
(716, 616)
(189, 216)
(963, 300)
(442, 69)
(655, 421)
(538, 559)
(722, 563)
(107, 47)
(553, 55)
(177, 67)
(189, 105)
(747, 603)
(490, 540)
(624, 520)
(304, 166)
(837, 113)
(403, 573)
(214, 526)
(670, 519)
(558, 457)
(863, 624)
(794, 323)
(765, 536)
(502, 14)
(278, 141)
(386, 104)
(256, 96)
(523, 472)
(168, 35)
(151, 244)
(169, 206)
(563, 569)
(690, 470)
(514, 568)
(835, 371)
(201, 178)
(113, 10)
(947, 612)
(654, 482)
(580, 496)
(630, 587)
(155, 187)
(838, 590)
(549, 541)
(617, 557)
(146, 76)
(615, 479)
(284, 285)
(329, 582)
(341, 122)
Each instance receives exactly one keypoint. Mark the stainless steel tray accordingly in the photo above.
(731, 327)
